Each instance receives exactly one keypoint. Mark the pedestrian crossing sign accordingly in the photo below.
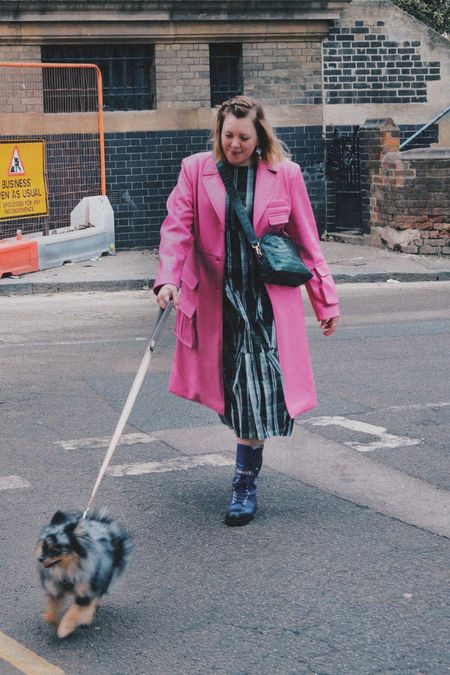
(23, 189)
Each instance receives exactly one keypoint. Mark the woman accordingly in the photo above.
(241, 344)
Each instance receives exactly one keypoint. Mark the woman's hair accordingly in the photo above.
(271, 148)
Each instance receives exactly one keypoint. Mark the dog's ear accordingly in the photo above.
(70, 527)
(58, 518)
(74, 542)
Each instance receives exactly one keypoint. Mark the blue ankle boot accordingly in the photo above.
(242, 507)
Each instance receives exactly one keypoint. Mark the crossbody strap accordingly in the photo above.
(237, 204)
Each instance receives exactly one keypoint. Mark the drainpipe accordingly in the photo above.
(324, 131)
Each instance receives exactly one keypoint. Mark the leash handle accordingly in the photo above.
(131, 399)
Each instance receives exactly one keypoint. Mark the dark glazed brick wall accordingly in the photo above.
(361, 65)
(142, 168)
(308, 149)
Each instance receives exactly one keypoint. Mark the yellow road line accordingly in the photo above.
(24, 659)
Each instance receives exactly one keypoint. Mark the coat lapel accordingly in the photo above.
(214, 188)
(266, 177)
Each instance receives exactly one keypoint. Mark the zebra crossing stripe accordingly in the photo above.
(175, 464)
(13, 482)
(103, 441)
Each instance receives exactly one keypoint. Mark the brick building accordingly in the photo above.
(320, 68)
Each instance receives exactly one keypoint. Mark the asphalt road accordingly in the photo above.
(344, 571)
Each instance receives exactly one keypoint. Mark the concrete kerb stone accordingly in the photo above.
(415, 276)
(361, 278)
(18, 289)
(75, 286)
(30, 288)
(136, 270)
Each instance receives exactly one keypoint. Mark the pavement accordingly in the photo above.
(136, 269)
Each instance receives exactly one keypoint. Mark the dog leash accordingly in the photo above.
(129, 403)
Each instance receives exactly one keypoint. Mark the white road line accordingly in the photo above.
(384, 440)
(71, 343)
(104, 441)
(418, 406)
(175, 464)
(13, 482)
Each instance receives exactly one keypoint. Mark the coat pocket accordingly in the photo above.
(189, 278)
(278, 217)
(327, 287)
(185, 322)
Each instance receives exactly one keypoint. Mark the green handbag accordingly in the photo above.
(277, 256)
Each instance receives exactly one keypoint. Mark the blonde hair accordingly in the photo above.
(271, 149)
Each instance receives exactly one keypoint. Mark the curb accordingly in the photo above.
(396, 276)
(30, 288)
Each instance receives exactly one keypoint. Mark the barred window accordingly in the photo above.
(127, 71)
(225, 67)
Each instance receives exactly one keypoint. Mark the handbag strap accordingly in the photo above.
(237, 204)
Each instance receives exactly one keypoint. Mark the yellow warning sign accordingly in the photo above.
(23, 192)
(15, 165)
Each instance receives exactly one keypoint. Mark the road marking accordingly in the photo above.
(104, 441)
(418, 406)
(25, 660)
(71, 343)
(360, 478)
(384, 440)
(176, 464)
(13, 482)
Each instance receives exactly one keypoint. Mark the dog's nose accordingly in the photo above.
(41, 558)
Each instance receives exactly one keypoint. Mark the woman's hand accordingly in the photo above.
(167, 293)
(328, 326)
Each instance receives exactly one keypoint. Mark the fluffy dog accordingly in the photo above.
(80, 558)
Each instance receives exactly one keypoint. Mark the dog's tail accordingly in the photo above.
(122, 549)
(121, 545)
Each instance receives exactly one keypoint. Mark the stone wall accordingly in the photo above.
(410, 201)
(20, 52)
(182, 75)
(26, 98)
(371, 151)
(277, 73)
(283, 73)
(377, 137)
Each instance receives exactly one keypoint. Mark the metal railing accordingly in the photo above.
(424, 128)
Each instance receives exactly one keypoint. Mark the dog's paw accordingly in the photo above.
(65, 628)
(50, 618)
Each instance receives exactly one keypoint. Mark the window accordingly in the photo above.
(225, 67)
(127, 73)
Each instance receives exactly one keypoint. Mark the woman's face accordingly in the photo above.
(239, 140)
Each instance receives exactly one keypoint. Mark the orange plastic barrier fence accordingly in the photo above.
(52, 148)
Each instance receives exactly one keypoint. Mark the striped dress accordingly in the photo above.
(253, 386)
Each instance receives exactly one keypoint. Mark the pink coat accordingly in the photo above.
(192, 252)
